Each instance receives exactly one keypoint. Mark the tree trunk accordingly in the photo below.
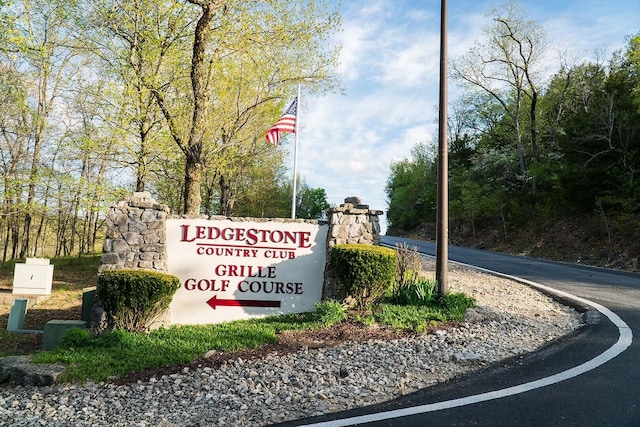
(534, 135)
(534, 125)
(226, 199)
(62, 222)
(200, 86)
(6, 244)
(143, 158)
(192, 180)
(73, 213)
(15, 232)
(42, 113)
(140, 176)
(40, 236)
(518, 132)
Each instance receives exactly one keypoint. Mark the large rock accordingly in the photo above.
(482, 314)
(18, 370)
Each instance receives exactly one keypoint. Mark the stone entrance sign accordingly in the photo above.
(233, 270)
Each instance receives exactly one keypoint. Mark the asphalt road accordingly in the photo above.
(590, 378)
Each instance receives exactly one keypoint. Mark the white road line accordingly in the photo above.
(624, 341)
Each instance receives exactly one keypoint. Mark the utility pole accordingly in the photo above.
(442, 220)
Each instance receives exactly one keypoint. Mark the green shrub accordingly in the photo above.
(411, 287)
(367, 271)
(412, 318)
(134, 299)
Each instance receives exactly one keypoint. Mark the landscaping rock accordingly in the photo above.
(18, 370)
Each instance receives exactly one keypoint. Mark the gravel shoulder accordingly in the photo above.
(313, 377)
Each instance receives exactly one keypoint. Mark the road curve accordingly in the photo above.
(590, 378)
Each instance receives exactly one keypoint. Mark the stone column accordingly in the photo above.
(136, 235)
(136, 240)
(351, 222)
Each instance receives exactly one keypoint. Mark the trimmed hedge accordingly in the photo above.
(367, 271)
(134, 299)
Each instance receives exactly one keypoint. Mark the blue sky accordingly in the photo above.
(389, 67)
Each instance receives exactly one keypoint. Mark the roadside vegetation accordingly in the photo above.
(553, 153)
(119, 352)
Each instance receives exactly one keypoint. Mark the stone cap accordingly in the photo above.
(356, 210)
(354, 205)
(143, 200)
(354, 200)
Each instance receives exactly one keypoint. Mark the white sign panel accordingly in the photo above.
(34, 277)
(232, 270)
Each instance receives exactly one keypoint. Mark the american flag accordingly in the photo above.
(287, 123)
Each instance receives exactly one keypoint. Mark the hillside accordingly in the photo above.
(585, 239)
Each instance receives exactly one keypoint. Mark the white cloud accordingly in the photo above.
(414, 65)
(355, 44)
(390, 68)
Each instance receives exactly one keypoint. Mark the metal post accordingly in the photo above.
(295, 158)
(442, 220)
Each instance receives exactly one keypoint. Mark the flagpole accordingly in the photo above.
(295, 158)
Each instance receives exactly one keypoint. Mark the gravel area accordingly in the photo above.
(510, 319)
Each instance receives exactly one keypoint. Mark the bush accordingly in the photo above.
(367, 271)
(134, 299)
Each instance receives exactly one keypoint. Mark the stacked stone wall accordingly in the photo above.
(136, 235)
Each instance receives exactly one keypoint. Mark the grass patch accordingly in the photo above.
(12, 343)
(118, 352)
(69, 273)
(419, 318)
(75, 273)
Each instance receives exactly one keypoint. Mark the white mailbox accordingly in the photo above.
(34, 277)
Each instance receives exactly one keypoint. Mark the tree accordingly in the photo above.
(14, 132)
(238, 176)
(263, 193)
(495, 168)
(411, 190)
(569, 103)
(595, 127)
(281, 34)
(139, 44)
(311, 203)
(40, 36)
(506, 67)
(633, 57)
(184, 90)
